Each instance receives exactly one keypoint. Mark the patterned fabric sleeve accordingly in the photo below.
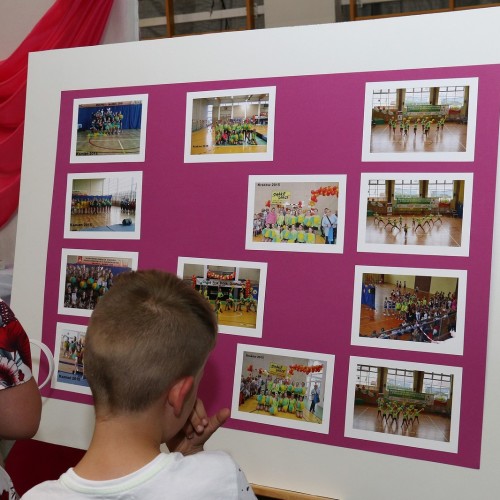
(15, 356)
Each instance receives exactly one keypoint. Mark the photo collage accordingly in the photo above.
(316, 369)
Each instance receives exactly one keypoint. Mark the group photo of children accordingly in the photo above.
(422, 117)
(235, 291)
(238, 122)
(109, 203)
(410, 308)
(109, 128)
(281, 389)
(294, 215)
(85, 277)
(69, 356)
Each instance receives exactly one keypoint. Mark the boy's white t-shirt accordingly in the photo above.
(208, 475)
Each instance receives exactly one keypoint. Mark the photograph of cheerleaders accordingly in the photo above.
(235, 290)
(282, 387)
(109, 129)
(409, 309)
(231, 125)
(69, 358)
(427, 120)
(410, 404)
(296, 213)
(86, 275)
(103, 206)
(415, 213)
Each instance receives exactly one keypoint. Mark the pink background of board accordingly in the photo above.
(318, 130)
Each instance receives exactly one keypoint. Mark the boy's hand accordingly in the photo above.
(198, 429)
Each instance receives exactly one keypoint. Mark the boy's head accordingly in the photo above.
(147, 332)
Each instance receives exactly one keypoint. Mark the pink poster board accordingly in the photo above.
(320, 142)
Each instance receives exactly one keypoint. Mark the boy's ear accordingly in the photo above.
(179, 392)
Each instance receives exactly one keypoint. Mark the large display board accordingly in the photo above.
(234, 178)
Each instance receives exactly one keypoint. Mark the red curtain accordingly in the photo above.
(68, 23)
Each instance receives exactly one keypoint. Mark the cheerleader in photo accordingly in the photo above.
(285, 234)
(285, 402)
(260, 398)
(280, 220)
(300, 407)
(301, 235)
(316, 220)
(266, 233)
(292, 238)
(276, 234)
(300, 218)
(273, 409)
(297, 390)
(267, 401)
(229, 303)
(292, 404)
(310, 236)
(308, 220)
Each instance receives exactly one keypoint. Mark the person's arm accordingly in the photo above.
(20, 411)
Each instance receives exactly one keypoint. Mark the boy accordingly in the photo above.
(145, 349)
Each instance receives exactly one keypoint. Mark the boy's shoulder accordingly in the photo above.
(206, 475)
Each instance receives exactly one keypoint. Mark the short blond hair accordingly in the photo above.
(147, 332)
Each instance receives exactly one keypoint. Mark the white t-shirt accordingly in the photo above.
(208, 475)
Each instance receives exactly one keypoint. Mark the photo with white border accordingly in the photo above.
(235, 289)
(296, 213)
(384, 403)
(69, 359)
(230, 125)
(401, 124)
(87, 275)
(410, 309)
(109, 129)
(103, 205)
(415, 213)
(283, 387)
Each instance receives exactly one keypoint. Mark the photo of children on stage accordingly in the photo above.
(409, 309)
(410, 404)
(103, 206)
(296, 213)
(230, 125)
(235, 290)
(86, 275)
(69, 358)
(282, 387)
(109, 129)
